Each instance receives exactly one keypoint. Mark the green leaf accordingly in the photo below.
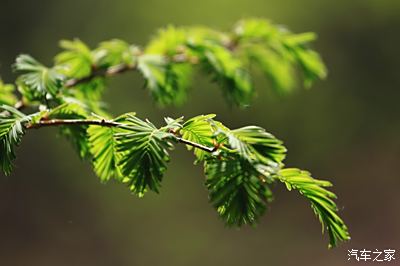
(236, 190)
(76, 134)
(11, 133)
(300, 39)
(321, 201)
(90, 93)
(280, 50)
(68, 111)
(199, 129)
(143, 155)
(76, 60)
(37, 81)
(311, 64)
(103, 147)
(256, 145)
(256, 30)
(7, 94)
(115, 52)
(227, 70)
(168, 41)
(278, 69)
(167, 82)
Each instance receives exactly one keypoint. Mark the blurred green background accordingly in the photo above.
(54, 211)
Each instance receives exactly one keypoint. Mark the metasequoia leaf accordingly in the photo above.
(75, 134)
(199, 129)
(11, 133)
(76, 60)
(280, 42)
(167, 83)
(143, 155)
(7, 95)
(321, 201)
(236, 190)
(115, 52)
(227, 70)
(276, 68)
(36, 80)
(103, 147)
(255, 144)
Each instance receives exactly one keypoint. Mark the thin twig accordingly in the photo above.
(196, 145)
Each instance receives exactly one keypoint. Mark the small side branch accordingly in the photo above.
(196, 145)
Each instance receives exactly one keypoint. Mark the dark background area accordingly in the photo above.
(54, 211)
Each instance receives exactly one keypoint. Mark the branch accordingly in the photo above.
(77, 122)
(105, 123)
(118, 69)
(197, 145)
(111, 71)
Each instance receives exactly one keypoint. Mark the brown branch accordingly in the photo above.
(118, 69)
(71, 122)
(105, 123)
(111, 71)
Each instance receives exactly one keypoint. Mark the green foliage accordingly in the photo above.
(144, 155)
(237, 178)
(114, 52)
(76, 60)
(76, 134)
(166, 82)
(256, 145)
(103, 149)
(199, 129)
(236, 190)
(37, 82)
(11, 132)
(90, 94)
(7, 96)
(321, 201)
(227, 70)
(272, 65)
(240, 164)
(168, 41)
(278, 52)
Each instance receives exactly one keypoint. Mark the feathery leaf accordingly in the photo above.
(7, 94)
(167, 82)
(236, 190)
(199, 130)
(103, 147)
(321, 201)
(76, 134)
(36, 80)
(11, 133)
(143, 155)
(76, 60)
